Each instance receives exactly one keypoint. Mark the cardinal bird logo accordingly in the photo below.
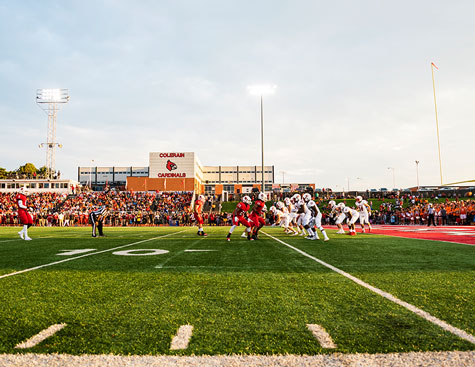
(171, 166)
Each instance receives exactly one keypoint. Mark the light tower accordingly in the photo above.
(262, 90)
(50, 100)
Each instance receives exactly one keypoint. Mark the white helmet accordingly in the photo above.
(279, 205)
(287, 201)
(247, 200)
(201, 197)
(341, 205)
(307, 197)
(296, 198)
(272, 209)
(332, 203)
(23, 190)
(346, 209)
(261, 196)
(359, 198)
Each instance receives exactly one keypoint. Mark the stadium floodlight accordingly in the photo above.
(261, 90)
(52, 96)
(49, 100)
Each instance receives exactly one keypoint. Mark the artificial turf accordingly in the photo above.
(250, 297)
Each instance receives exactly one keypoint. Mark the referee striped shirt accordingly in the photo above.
(99, 211)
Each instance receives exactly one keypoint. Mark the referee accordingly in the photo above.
(97, 217)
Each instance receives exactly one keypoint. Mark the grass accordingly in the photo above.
(243, 297)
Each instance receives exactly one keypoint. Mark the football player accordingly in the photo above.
(364, 210)
(239, 216)
(312, 218)
(198, 217)
(256, 217)
(288, 219)
(352, 216)
(301, 210)
(338, 215)
(23, 215)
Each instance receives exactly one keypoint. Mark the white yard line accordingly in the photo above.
(452, 329)
(182, 337)
(42, 335)
(85, 255)
(322, 336)
(439, 359)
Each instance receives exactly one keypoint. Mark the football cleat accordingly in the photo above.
(21, 235)
(27, 238)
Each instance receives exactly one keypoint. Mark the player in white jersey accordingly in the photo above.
(352, 216)
(301, 209)
(338, 215)
(290, 215)
(364, 209)
(313, 218)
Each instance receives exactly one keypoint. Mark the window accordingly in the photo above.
(46, 185)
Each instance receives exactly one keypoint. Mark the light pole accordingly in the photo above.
(283, 177)
(90, 174)
(394, 177)
(348, 182)
(417, 173)
(50, 100)
(261, 90)
(432, 66)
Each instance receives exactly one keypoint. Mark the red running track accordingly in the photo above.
(455, 234)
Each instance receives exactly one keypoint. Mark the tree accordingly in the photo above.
(27, 168)
(3, 173)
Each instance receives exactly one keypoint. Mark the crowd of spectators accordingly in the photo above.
(125, 208)
(152, 209)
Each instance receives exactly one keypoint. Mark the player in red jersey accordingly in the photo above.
(256, 218)
(198, 217)
(238, 216)
(23, 215)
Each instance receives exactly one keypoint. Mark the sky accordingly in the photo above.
(354, 101)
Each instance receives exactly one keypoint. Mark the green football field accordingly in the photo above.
(129, 293)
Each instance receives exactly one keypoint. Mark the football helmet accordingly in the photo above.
(332, 203)
(307, 197)
(201, 197)
(272, 209)
(279, 205)
(296, 198)
(287, 201)
(359, 198)
(346, 210)
(341, 205)
(247, 200)
(23, 190)
(261, 196)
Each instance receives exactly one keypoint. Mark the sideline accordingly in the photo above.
(452, 329)
(85, 255)
(440, 359)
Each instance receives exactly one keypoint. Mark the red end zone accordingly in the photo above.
(455, 234)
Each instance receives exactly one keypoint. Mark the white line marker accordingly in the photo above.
(452, 329)
(322, 336)
(196, 250)
(182, 337)
(42, 335)
(89, 254)
(75, 252)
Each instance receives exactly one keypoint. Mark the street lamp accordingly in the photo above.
(283, 177)
(261, 90)
(417, 173)
(394, 177)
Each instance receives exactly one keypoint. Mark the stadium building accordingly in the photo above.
(181, 171)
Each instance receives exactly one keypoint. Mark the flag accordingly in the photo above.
(434, 65)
